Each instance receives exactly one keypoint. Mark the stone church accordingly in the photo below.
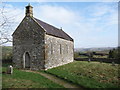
(38, 45)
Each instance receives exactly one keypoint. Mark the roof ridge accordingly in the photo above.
(47, 23)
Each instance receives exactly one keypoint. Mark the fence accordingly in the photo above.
(105, 60)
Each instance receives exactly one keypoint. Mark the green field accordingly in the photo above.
(21, 79)
(89, 75)
(85, 74)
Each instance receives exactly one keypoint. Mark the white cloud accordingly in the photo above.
(55, 14)
(87, 27)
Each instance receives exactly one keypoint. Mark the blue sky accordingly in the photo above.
(90, 24)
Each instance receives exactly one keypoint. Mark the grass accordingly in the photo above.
(21, 79)
(89, 75)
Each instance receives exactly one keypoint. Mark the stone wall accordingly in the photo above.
(57, 51)
(29, 37)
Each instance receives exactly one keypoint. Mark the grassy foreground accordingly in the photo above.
(21, 79)
(89, 74)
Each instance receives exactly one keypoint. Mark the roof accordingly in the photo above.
(51, 30)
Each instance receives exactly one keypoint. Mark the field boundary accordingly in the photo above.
(105, 60)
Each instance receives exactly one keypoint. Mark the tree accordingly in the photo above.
(5, 25)
(118, 53)
(94, 53)
(115, 53)
(110, 54)
(90, 54)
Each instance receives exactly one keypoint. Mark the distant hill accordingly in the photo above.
(93, 49)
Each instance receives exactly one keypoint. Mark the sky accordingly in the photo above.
(90, 24)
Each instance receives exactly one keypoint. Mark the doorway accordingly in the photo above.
(26, 60)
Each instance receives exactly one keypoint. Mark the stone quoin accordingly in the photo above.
(38, 45)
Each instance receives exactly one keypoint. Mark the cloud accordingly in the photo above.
(55, 14)
(93, 26)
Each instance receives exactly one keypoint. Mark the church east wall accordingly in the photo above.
(57, 51)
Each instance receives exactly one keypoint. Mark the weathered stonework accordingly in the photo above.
(34, 49)
(58, 51)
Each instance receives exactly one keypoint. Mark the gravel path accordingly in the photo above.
(57, 80)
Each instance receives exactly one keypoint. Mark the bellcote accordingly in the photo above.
(29, 10)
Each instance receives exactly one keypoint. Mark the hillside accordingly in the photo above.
(105, 49)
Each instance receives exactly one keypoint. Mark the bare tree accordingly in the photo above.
(5, 25)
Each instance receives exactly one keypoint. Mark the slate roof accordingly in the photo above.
(51, 30)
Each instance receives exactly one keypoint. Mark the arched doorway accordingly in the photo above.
(26, 60)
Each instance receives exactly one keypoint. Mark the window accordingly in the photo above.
(66, 48)
(60, 49)
(51, 46)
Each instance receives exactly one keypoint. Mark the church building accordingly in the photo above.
(38, 45)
